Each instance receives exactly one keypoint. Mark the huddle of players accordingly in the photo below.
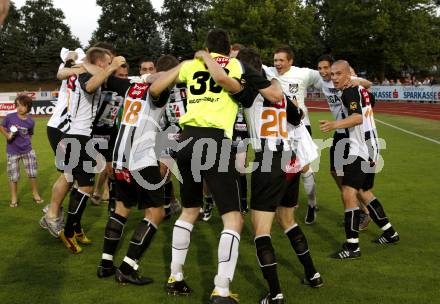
(269, 113)
(84, 111)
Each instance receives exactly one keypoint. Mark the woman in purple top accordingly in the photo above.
(18, 129)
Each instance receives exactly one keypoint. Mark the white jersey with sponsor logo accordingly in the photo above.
(267, 122)
(363, 138)
(82, 106)
(176, 107)
(295, 83)
(334, 101)
(240, 128)
(60, 118)
(134, 148)
(108, 108)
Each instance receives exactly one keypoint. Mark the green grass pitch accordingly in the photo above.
(36, 268)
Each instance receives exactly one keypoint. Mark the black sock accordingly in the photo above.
(243, 192)
(70, 219)
(299, 244)
(112, 195)
(112, 236)
(77, 204)
(208, 200)
(378, 216)
(83, 203)
(139, 242)
(268, 263)
(68, 228)
(352, 219)
(168, 193)
(73, 190)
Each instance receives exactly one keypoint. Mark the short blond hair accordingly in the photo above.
(95, 53)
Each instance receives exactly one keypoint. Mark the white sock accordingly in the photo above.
(181, 239)
(309, 185)
(227, 254)
(221, 286)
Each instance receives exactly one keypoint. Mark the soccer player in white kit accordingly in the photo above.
(58, 124)
(274, 191)
(360, 167)
(333, 96)
(83, 109)
(137, 174)
(294, 81)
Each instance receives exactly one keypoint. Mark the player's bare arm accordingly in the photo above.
(150, 78)
(90, 68)
(351, 121)
(361, 81)
(165, 80)
(97, 80)
(219, 75)
(365, 83)
(65, 73)
(71, 69)
(273, 93)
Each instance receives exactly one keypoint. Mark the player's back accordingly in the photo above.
(139, 125)
(208, 104)
(83, 107)
(176, 106)
(60, 115)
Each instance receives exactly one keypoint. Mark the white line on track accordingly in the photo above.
(395, 127)
(408, 112)
(408, 132)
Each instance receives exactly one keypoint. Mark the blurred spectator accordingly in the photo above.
(415, 82)
(392, 82)
(432, 80)
(398, 82)
(426, 81)
(385, 82)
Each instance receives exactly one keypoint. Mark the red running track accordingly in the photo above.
(422, 110)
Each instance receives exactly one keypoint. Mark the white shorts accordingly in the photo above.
(302, 144)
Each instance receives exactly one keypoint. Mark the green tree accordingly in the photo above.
(265, 24)
(32, 41)
(15, 54)
(382, 36)
(131, 27)
(180, 20)
(46, 33)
